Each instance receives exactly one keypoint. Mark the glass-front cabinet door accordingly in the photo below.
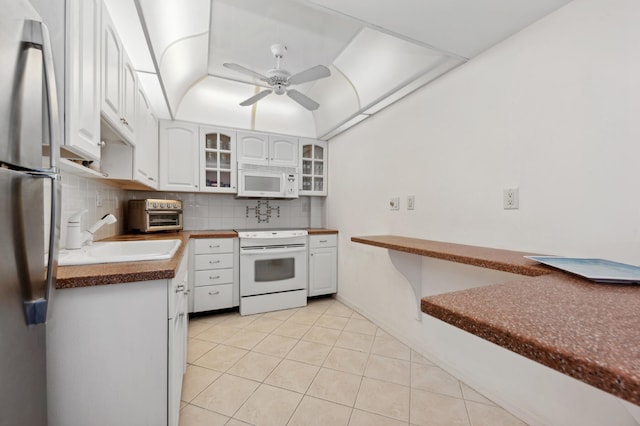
(217, 160)
(313, 167)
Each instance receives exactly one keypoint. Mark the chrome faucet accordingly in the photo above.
(76, 238)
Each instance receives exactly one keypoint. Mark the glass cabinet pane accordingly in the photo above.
(306, 167)
(318, 184)
(306, 151)
(318, 168)
(211, 141)
(225, 180)
(211, 160)
(306, 183)
(225, 160)
(212, 179)
(225, 142)
(318, 152)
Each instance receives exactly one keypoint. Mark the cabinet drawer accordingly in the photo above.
(213, 245)
(317, 241)
(213, 297)
(213, 277)
(213, 261)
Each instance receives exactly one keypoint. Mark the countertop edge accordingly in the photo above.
(482, 257)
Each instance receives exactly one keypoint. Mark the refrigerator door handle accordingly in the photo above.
(36, 34)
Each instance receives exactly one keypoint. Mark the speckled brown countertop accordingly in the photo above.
(321, 231)
(586, 330)
(501, 260)
(126, 272)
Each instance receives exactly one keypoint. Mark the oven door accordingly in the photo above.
(272, 269)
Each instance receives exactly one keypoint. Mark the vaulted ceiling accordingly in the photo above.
(377, 52)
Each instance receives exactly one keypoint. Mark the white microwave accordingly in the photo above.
(257, 180)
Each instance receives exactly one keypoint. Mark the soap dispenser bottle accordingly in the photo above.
(74, 233)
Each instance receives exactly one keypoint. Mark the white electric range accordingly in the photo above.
(273, 269)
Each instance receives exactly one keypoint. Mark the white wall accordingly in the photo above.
(555, 111)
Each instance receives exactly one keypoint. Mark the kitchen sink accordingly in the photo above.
(119, 251)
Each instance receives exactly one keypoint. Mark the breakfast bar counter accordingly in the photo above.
(586, 330)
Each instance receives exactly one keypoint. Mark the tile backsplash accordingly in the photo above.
(225, 211)
(201, 211)
(80, 193)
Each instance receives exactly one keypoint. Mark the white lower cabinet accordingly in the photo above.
(323, 265)
(215, 283)
(116, 353)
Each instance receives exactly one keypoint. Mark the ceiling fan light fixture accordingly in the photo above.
(279, 80)
(279, 89)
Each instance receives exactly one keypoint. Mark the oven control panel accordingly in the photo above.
(266, 233)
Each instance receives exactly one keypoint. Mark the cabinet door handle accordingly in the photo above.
(212, 246)
(217, 277)
(323, 241)
(179, 288)
(213, 262)
(214, 293)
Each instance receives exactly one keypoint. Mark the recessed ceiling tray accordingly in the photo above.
(599, 270)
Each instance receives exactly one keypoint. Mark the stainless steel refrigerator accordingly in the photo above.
(29, 210)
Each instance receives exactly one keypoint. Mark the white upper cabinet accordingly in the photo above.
(283, 151)
(145, 156)
(274, 150)
(82, 78)
(218, 166)
(118, 82)
(253, 148)
(179, 156)
(129, 96)
(313, 167)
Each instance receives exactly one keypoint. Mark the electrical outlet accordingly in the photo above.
(98, 199)
(394, 203)
(510, 199)
(411, 202)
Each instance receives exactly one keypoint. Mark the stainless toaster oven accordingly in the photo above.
(153, 215)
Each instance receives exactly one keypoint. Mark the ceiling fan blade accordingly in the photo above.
(255, 98)
(303, 100)
(313, 73)
(243, 70)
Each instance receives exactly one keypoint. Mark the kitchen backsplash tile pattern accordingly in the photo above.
(225, 211)
(201, 211)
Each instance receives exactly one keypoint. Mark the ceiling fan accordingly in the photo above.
(279, 80)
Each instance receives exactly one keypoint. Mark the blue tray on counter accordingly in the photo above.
(598, 270)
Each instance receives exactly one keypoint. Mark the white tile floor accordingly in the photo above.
(323, 364)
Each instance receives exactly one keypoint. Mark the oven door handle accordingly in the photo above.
(269, 251)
